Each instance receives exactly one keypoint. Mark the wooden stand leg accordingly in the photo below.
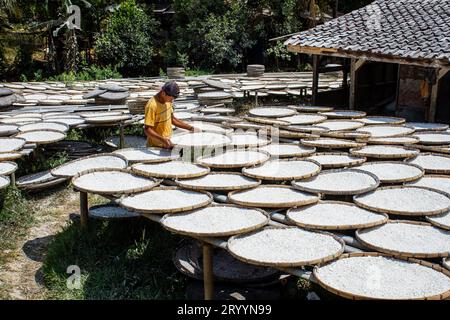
(84, 210)
(13, 179)
(256, 98)
(208, 275)
(121, 137)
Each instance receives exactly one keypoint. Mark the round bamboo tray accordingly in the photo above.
(243, 125)
(112, 181)
(210, 127)
(331, 143)
(433, 137)
(71, 122)
(19, 121)
(380, 120)
(129, 141)
(234, 159)
(41, 137)
(357, 277)
(384, 152)
(313, 108)
(340, 125)
(216, 221)
(315, 129)
(361, 136)
(111, 212)
(402, 202)
(292, 168)
(267, 121)
(100, 114)
(248, 140)
(285, 247)
(446, 263)
(55, 126)
(426, 126)
(391, 140)
(39, 181)
(272, 112)
(7, 168)
(8, 129)
(287, 150)
(435, 149)
(442, 221)
(335, 215)
(391, 171)
(433, 181)
(261, 196)
(201, 140)
(107, 119)
(219, 181)
(4, 182)
(171, 170)
(137, 106)
(148, 155)
(330, 160)
(390, 238)
(343, 114)
(8, 145)
(338, 182)
(162, 200)
(5, 156)
(303, 119)
(432, 163)
(386, 131)
(98, 161)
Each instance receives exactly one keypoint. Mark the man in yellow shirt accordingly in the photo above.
(159, 117)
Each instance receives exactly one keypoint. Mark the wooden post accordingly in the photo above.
(315, 84)
(84, 210)
(434, 93)
(397, 90)
(354, 67)
(121, 136)
(13, 179)
(256, 98)
(208, 274)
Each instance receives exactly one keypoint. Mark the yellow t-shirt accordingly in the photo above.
(159, 116)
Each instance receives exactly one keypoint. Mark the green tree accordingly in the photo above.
(127, 41)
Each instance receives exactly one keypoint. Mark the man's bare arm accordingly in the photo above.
(150, 132)
(180, 124)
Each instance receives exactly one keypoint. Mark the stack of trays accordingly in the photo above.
(175, 73)
(255, 70)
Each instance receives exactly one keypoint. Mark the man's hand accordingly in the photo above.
(194, 129)
(167, 144)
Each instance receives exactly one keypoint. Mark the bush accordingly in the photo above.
(88, 73)
(127, 41)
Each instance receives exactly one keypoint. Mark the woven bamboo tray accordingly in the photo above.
(272, 112)
(396, 204)
(5, 156)
(401, 237)
(71, 122)
(284, 242)
(361, 136)
(41, 137)
(137, 106)
(129, 141)
(216, 221)
(249, 140)
(166, 170)
(384, 152)
(380, 120)
(426, 126)
(270, 191)
(313, 108)
(104, 181)
(273, 170)
(19, 121)
(38, 181)
(330, 160)
(309, 216)
(331, 143)
(72, 168)
(323, 182)
(276, 133)
(172, 200)
(8, 129)
(442, 221)
(303, 119)
(403, 275)
(340, 125)
(56, 126)
(343, 114)
(100, 114)
(287, 150)
(7, 168)
(4, 182)
(267, 121)
(210, 182)
(386, 131)
(148, 155)
(210, 127)
(11, 144)
(390, 171)
(433, 181)
(432, 162)
(107, 119)
(314, 129)
(435, 149)
(433, 137)
(243, 125)
(234, 159)
(391, 140)
(201, 140)
(111, 212)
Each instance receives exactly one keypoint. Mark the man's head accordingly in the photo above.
(170, 91)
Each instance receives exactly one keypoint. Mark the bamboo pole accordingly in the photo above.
(84, 210)
(208, 274)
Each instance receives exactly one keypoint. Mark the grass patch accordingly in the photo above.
(15, 218)
(118, 260)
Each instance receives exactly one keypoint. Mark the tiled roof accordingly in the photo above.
(411, 29)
